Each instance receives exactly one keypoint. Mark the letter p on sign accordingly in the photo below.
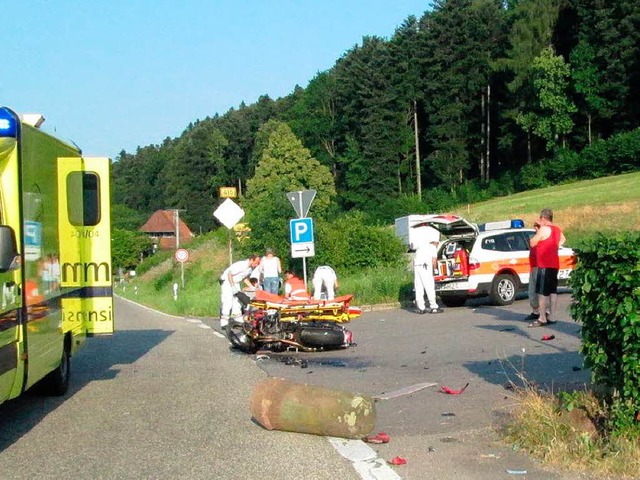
(301, 230)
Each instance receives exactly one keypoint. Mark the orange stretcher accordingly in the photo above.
(337, 310)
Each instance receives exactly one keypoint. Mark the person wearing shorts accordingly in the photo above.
(547, 241)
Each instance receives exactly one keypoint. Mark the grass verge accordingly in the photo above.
(568, 434)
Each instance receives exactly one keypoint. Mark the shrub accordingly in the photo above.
(163, 280)
(392, 208)
(606, 288)
(618, 154)
(566, 164)
(533, 175)
(349, 243)
(127, 247)
(152, 261)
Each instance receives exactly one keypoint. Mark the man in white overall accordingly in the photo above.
(324, 276)
(423, 282)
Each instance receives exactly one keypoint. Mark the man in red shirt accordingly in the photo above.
(547, 241)
(533, 275)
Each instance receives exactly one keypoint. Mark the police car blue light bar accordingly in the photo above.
(515, 223)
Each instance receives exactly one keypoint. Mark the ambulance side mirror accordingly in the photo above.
(9, 256)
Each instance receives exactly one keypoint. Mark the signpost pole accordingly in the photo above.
(304, 259)
(181, 255)
(228, 213)
(178, 246)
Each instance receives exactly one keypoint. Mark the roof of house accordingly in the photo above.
(164, 221)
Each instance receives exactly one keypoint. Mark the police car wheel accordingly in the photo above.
(503, 290)
(454, 301)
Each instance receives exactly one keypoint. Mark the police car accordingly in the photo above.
(490, 259)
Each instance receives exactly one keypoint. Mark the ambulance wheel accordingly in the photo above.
(57, 382)
(503, 290)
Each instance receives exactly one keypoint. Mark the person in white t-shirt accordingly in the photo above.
(270, 270)
(423, 282)
(230, 284)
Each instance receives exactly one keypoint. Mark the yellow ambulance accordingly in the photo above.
(55, 255)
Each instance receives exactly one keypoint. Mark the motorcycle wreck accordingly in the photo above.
(274, 323)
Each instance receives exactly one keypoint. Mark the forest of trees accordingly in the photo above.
(474, 96)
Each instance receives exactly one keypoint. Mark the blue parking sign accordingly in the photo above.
(301, 230)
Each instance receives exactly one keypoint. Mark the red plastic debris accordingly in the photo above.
(548, 337)
(381, 437)
(453, 392)
(397, 461)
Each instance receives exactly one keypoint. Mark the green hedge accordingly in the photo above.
(606, 289)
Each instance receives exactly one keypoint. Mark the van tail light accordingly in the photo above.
(473, 264)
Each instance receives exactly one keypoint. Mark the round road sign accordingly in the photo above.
(181, 255)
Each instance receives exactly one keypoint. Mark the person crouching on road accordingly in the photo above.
(230, 281)
(294, 287)
(423, 282)
(324, 277)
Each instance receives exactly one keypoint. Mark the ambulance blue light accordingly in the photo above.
(517, 223)
(8, 124)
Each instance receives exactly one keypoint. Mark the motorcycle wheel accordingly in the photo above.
(239, 338)
(319, 337)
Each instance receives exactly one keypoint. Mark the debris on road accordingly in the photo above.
(450, 391)
(280, 404)
(397, 461)
(404, 391)
(548, 337)
(381, 437)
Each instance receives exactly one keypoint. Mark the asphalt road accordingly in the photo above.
(447, 436)
(163, 398)
(166, 398)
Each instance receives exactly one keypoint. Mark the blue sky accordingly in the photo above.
(118, 74)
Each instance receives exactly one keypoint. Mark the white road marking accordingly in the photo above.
(364, 459)
(149, 308)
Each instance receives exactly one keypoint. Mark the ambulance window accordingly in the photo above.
(83, 199)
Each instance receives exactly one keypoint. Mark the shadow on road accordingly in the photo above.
(561, 371)
(97, 361)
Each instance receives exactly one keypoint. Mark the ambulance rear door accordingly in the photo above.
(85, 245)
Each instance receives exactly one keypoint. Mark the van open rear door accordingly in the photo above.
(85, 245)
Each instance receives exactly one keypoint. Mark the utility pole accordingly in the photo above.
(176, 216)
(415, 128)
(488, 157)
